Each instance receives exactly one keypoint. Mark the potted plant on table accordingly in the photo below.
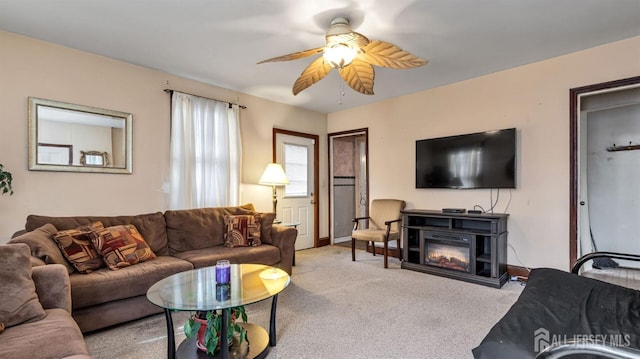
(207, 327)
(5, 181)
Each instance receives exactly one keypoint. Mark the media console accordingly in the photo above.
(464, 246)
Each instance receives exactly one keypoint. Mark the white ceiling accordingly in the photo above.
(220, 41)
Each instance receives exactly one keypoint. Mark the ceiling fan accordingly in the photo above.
(353, 55)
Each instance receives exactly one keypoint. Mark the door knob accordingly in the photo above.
(582, 203)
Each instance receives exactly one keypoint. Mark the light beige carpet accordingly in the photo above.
(336, 308)
(359, 244)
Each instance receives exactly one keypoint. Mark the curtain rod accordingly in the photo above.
(170, 91)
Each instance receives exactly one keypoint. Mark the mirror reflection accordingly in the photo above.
(69, 137)
(94, 158)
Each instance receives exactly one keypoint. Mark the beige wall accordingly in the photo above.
(34, 68)
(534, 99)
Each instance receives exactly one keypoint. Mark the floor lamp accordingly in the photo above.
(274, 176)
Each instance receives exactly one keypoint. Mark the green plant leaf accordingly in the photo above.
(211, 341)
(5, 181)
(214, 327)
(191, 328)
(243, 336)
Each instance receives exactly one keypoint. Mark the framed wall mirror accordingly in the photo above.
(76, 138)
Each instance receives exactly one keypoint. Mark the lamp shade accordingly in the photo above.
(274, 175)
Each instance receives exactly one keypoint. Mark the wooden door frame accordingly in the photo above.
(316, 176)
(574, 176)
(330, 136)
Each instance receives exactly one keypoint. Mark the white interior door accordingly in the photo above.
(295, 200)
(584, 236)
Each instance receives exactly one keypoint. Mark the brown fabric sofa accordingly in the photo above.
(181, 240)
(52, 333)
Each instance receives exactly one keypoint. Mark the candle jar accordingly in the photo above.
(223, 292)
(223, 272)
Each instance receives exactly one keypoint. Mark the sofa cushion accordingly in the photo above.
(190, 229)
(19, 303)
(265, 227)
(52, 286)
(121, 246)
(116, 312)
(242, 230)
(264, 254)
(152, 226)
(105, 285)
(55, 336)
(77, 248)
(42, 245)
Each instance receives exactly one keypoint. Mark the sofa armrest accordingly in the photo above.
(53, 286)
(285, 239)
(37, 262)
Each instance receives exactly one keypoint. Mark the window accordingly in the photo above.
(205, 153)
(295, 166)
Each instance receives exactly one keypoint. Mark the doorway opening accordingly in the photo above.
(604, 151)
(348, 182)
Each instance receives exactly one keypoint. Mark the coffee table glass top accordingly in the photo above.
(197, 289)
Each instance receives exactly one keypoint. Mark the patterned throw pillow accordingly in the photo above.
(76, 246)
(242, 230)
(121, 246)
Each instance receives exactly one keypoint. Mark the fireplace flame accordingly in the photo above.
(448, 257)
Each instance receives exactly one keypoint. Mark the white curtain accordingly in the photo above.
(206, 152)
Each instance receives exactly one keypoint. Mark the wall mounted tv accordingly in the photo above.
(475, 160)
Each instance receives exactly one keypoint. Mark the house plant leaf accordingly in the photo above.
(5, 181)
(209, 340)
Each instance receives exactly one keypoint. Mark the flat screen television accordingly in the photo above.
(475, 160)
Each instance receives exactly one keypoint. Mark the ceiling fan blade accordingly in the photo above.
(384, 54)
(359, 75)
(312, 74)
(295, 55)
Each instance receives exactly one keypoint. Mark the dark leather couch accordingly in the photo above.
(564, 314)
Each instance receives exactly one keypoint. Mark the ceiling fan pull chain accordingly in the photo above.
(340, 93)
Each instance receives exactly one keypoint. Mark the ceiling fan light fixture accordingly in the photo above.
(353, 55)
(339, 55)
(339, 26)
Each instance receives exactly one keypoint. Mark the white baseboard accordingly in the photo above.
(341, 239)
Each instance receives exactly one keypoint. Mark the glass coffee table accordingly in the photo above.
(196, 290)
